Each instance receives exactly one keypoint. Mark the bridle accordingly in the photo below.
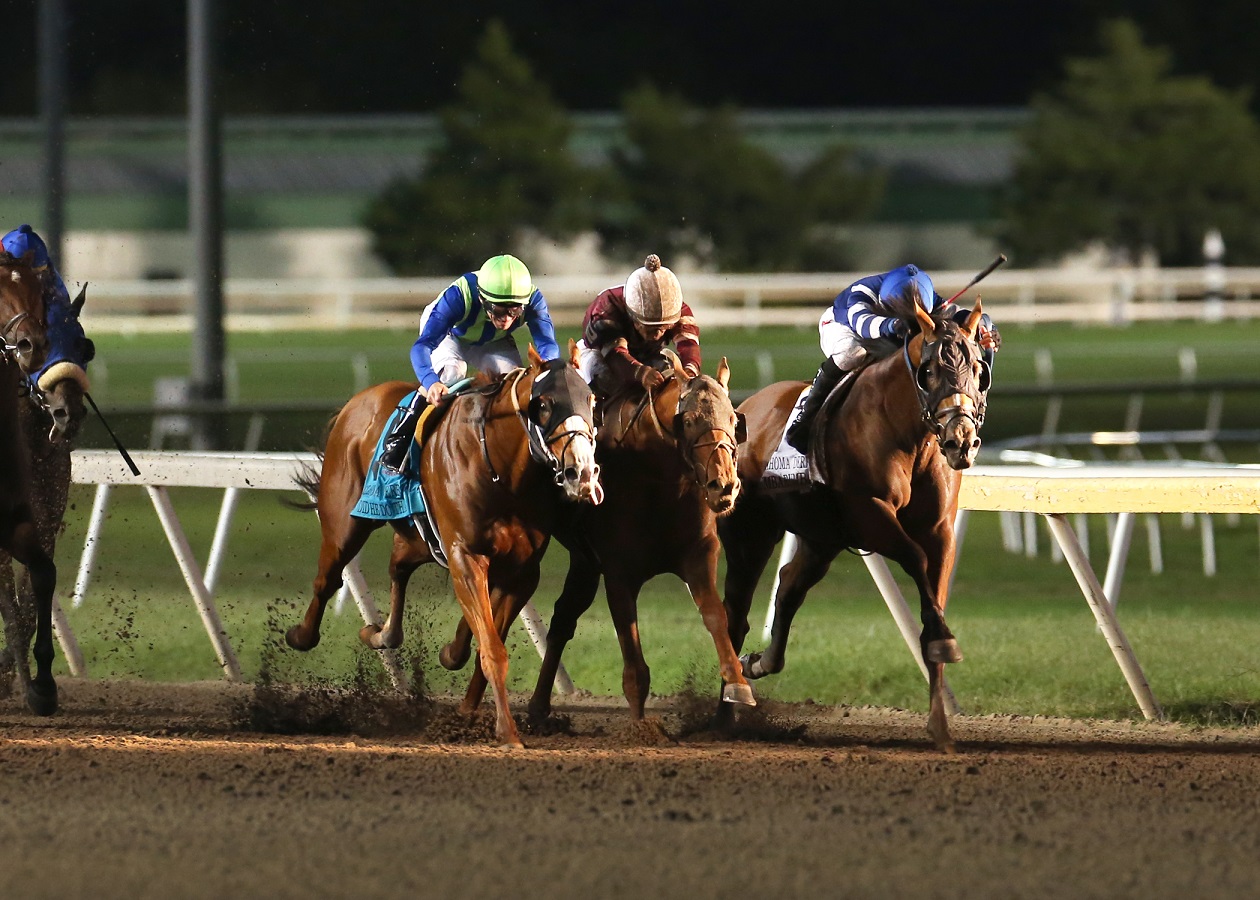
(10, 349)
(956, 401)
(714, 438)
(541, 435)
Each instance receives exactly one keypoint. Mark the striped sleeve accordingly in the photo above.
(860, 304)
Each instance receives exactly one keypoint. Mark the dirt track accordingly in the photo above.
(138, 790)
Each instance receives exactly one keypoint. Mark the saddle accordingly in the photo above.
(817, 435)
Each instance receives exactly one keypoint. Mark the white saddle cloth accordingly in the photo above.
(788, 468)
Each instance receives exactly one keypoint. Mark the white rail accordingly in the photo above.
(1052, 493)
(1112, 296)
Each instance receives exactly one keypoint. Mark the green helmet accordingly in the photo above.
(504, 280)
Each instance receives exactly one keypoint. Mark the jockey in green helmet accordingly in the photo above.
(472, 323)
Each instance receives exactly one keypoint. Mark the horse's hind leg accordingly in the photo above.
(403, 562)
(341, 543)
(636, 677)
(805, 569)
(580, 586)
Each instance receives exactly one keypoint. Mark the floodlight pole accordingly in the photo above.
(52, 94)
(205, 217)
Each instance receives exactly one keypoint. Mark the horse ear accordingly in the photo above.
(535, 361)
(741, 428)
(679, 372)
(77, 303)
(926, 324)
(973, 321)
(724, 374)
(573, 353)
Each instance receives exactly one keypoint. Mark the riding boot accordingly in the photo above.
(829, 375)
(398, 441)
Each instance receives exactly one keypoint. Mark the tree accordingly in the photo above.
(503, 171)
(1126, 154)
(691, 183)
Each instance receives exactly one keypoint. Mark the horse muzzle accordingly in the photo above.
(959, 438)
(578, 473)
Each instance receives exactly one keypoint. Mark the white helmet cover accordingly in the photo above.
(653, 295)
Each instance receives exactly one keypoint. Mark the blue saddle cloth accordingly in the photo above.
(386, 495)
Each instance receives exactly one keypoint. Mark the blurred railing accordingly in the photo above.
(1017, 296)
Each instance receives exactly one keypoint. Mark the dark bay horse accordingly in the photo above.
(50, 422)
(494, 503)
(668, 466)
(25, 346)
(891, 453)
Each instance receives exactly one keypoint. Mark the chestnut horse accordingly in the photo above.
(494, 502)
(668, 465)
(891, 454)
(50, 422)
(25, 346)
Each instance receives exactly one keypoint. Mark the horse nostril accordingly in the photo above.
(25, 347)
(60, 415)
(570, 473)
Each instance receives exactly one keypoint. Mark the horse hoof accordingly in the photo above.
(738, 693)
(296, 638)
(367, 633)
(750, 663)
(450, 660)
(42, 701)
(945, 651)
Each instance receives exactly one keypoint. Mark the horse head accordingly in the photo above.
(708, 431)
(561, 423)
(63, 382)
(952, 380)
(22, 326)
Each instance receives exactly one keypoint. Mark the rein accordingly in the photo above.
(539, 443)
(725, 438)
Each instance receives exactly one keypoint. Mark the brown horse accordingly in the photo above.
(668, 465)
(50, 422)
(25, 347)
(495, 504)
(891, 454)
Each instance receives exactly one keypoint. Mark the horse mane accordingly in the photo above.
(903, 309)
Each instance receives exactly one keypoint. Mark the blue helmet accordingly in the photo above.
(22, 239)
(898, 282)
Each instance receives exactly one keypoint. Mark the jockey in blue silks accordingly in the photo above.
(472, 322)
(69, 349)
(862, 312)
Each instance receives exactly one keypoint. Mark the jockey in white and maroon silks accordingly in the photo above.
(862, 312)
(69, 349)
(472, 323)
(627, 326)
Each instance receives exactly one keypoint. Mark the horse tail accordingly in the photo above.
(307, 480)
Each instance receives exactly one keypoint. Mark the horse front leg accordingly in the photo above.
(41, 693)
(581, 583)
(17, 632)
(507, 604)
(927, 558)
(636, 677)
(699, 571)
(804, 570)
(469, 574)
(343, 536)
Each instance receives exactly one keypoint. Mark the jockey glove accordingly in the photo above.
(648, 377)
